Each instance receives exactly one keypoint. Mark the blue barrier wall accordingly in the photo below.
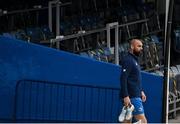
(20, 60)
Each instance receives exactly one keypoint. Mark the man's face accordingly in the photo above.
(137, 47)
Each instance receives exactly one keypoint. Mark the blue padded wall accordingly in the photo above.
(20, 60)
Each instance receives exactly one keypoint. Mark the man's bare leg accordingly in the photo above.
(141, 117)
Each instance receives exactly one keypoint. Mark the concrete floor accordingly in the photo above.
(175, 120)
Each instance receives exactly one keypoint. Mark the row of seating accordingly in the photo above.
(149, 59)
(124, 14)
(38, 35)
(73, 24)
(174, 89)
(152, 52)
(101, 54)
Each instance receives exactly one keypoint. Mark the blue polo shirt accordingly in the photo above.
(130, 77)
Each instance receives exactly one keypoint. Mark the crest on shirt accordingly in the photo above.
(136, 64)
(124, 70)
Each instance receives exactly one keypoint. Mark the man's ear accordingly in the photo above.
(132, 47)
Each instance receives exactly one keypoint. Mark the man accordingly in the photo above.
(131, 86)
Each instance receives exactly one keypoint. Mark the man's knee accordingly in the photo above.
(142, 118)
(144, 121)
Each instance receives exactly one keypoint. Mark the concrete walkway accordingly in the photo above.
(176, 120)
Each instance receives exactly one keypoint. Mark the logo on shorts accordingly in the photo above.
(140, 109)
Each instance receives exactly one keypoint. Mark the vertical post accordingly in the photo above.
(116, 44)
(159, 27)
(146, 24)
(57, 22)
(107, 4)
(108, 27)
(108, 35)
(174, 104)
(127, 27)
(50, 15)
(167, 63)
(120, 3)
(95, 6)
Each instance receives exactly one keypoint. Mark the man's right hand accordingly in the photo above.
(127, 101)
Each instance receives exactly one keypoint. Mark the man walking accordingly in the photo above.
(131, 86)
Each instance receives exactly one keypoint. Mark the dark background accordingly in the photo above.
(175, 53)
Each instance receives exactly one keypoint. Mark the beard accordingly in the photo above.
(137, 53)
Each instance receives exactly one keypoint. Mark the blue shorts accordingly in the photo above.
(138, 106)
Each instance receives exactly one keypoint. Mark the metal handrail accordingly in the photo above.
(6, 12)
(67, 37)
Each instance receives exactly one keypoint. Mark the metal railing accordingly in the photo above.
(35, 8)
(62, 102)
(174, 103)
(108, 27)
(84, 33)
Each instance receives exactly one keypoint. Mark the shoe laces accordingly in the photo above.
(129, 111)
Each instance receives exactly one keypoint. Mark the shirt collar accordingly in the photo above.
(134, 56)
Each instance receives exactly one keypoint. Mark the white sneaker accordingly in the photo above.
(129, 110)
(123, 114)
